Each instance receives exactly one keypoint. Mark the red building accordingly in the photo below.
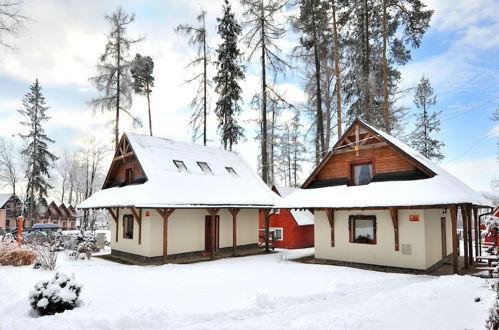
(490, 238)
(293, 229)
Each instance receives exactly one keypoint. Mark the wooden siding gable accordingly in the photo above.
(124, 157)
(361, 144)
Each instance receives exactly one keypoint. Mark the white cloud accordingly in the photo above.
(477, 173)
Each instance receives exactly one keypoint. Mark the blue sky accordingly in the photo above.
(64, 38)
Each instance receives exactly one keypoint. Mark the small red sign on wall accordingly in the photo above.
(414, 218)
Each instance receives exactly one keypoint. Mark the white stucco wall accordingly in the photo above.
(422, 236)
(186, 231)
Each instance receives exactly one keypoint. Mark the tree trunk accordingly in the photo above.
(118, 73)
(204, 82)
(265, 175)
(337, 70)
(386, 110)
(320, 120)
(149, 109)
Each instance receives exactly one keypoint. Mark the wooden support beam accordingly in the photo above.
(469, 233)
(266, 224)
(453, 217)
(477, 232)
(394, 213)
(464, 215)
(330, 217)
(165, 214)
(234, 213)
(213, 230)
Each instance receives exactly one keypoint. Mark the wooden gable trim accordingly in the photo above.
(344, 138)
(124, 151)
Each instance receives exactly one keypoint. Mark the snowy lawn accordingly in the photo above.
(257, 292)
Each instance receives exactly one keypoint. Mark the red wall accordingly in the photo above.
(294, 236)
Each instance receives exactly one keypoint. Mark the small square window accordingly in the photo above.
(278, 234)
(231, 171)
(180, 165)
(362, 229)
(362, 174)
(206, 169)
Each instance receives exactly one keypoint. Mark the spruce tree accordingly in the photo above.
(229, 71)
(143, 80)
(36, 151)
(113, 78)
(427, 123)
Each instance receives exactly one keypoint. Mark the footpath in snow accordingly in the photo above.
(257, 292)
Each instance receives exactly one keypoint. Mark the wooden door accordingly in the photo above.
(208, 236)
(443, 227)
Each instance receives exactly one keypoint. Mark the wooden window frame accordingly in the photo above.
(361, 162)
(7, 223)
(129, 174)
(351, 228)
(127, 218)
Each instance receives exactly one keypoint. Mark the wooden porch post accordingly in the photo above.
(266, 224)
(234, 213)
(470, 236)
(213, 231)
(115, 218)
(330, 217)
(464, 215)
(394, 213)
(138, 217)
(477, 232)
(165, 214)
(453, 217)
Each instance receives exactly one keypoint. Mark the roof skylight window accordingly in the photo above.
(181, 166)
(206, 169)
(231, 171)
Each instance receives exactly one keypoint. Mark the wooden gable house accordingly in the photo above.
(379, 202)
(170, 200)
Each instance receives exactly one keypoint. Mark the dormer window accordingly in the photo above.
(361, 173)
(206, 169)
(180, 165)
(231, 171)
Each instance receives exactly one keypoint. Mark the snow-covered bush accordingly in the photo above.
(46, 252)
(60, 294)
(11, 255)
(84, 247)
(492, 322)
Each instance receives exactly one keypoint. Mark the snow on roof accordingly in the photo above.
(4, 198)
(168, 187)
(302, 217)
(443, 188)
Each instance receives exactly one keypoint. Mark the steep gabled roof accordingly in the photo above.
(166, 186)
(302, 217)
(440, 188)
(4, 198)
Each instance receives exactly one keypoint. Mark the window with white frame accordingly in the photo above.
(278, 233)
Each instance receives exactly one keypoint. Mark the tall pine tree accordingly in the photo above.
(427, 123)
(229, 71)
(113, 80)
(36, 151)
(198, 38)
(143, 80)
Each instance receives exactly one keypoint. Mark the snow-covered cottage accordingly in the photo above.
(379, 202)
(173, 199)
(292, 229)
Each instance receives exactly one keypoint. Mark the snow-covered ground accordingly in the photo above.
(257, 292)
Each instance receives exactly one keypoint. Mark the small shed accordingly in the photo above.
(292, 229)
(378, 202)
(171, 200)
